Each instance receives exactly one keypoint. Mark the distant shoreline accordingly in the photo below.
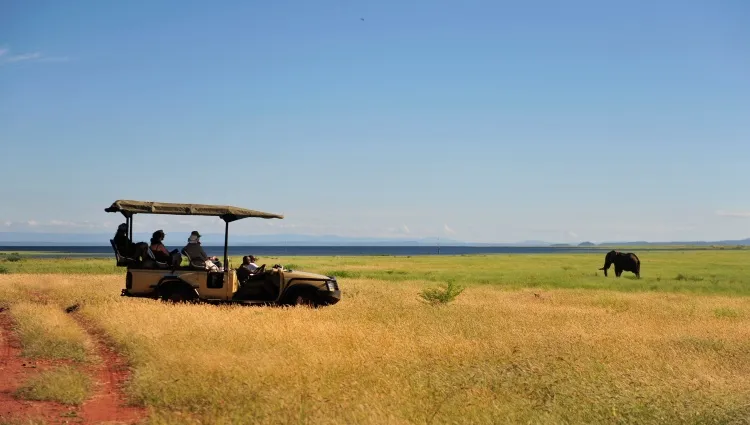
(51, 251)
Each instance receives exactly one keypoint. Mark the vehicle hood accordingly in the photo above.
(304, 275)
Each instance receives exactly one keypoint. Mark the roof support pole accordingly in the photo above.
(226, 244)
(130, 228)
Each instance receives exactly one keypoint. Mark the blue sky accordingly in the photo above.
(484, 121)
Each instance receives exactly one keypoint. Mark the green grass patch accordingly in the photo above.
(64, 384)
(64, 265)
(709, 271)
(46, 332)
(726, 312)
(688, 278)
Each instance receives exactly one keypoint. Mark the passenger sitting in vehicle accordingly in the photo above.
(126, 247)
(161, 253)
(196, 254)
(248, 262)
(248, 268)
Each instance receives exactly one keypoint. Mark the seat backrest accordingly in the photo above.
(196, 263)
(242, 273)
(121, 260)
(114, 247)
(153, 257)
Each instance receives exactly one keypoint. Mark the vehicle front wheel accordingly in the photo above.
(305, 299)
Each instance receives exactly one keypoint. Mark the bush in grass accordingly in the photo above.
(442, 295)
(13, 257)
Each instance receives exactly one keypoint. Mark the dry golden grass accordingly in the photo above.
(46, 332)
(383, 356)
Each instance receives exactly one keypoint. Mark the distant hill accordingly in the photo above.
(745, 241)
(589, 244)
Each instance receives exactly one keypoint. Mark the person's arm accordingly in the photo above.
(163, 249)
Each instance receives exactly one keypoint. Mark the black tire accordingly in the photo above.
(305, 298)
(178, 295)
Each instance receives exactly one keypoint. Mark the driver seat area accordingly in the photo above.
(253, 285)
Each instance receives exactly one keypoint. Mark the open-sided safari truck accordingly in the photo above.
(194, 282)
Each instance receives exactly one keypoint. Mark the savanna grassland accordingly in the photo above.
(531, 339)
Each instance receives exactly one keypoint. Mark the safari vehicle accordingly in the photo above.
(149, 278)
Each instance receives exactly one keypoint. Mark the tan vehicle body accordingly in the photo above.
(293, 287)
(150, 279)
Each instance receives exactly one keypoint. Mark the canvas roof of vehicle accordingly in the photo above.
(226, 212)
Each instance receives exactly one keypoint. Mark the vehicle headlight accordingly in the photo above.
(331, 285)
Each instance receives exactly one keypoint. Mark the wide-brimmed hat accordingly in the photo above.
(194, 236)
(123, 226)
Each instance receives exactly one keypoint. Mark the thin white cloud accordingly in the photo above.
(56, 224)
(60, 223)
(740, 214)
(7, 58)
(23, 57)
(405, 228)
(54, 59)
(448, 230)
(572, 234)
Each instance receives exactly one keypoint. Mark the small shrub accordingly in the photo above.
(443, 295)
(4, 270)
(13, 257)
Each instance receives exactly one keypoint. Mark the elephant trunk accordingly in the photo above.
(607, 263)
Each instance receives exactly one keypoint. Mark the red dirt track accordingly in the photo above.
(106, 405)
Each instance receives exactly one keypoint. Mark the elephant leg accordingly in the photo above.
(618, 271)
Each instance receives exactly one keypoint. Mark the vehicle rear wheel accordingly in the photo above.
(179, 295)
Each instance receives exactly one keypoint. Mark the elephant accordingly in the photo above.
(628, 262)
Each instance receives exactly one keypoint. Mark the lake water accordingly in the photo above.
(105, 251)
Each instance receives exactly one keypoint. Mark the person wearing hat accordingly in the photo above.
(196, 254)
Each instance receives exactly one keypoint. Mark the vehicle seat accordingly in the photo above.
(153, 262)
(244, 275)
(197, 264)
(122, 261)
